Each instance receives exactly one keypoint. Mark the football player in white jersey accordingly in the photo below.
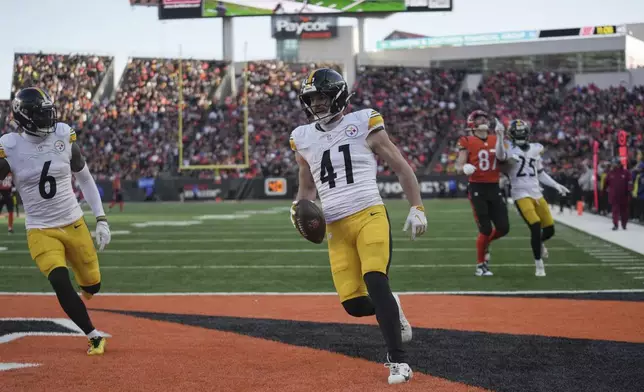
(42, 156)
(336, 157)
(526, 173)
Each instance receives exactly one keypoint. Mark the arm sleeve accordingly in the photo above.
(90, 191)
(501, 153)
(545, 179)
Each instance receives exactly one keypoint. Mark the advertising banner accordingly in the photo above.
(303, 27)
(180, 9)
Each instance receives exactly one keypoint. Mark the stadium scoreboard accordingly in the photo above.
(189, 9)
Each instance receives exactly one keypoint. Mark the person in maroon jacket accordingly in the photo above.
(619, 183)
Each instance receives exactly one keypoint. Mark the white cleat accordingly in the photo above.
(540, 270)
(483, 270)
(544, 251)
(399, 373)
(405, 327)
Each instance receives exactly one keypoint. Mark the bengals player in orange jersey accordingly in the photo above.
(479, 158)
(118, 193)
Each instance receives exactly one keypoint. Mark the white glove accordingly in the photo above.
(563, 191)
(103, 235)
(417, 221)
(468, 169)
(499, 128)
(293, 207)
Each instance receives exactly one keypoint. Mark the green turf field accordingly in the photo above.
(235, 9)
(260, 251)
(362, 6)
(210, 9)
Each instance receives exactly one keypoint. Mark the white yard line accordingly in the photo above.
(331, 293)
(297, 266)
(242, 251)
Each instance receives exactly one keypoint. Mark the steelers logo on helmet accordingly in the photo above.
(519, 132)
(34, 110)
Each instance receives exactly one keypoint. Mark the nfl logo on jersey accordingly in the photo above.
(351, 131)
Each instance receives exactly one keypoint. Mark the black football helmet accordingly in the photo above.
(33, 109)
(324, 94)
(519, 132)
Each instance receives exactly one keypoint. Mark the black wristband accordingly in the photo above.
(101, 219)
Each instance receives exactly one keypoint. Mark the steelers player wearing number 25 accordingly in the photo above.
(336, 158)
(526, 172)
(479, 157)
(42, 156)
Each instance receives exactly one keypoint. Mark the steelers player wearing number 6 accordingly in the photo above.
(336, 158)
(479, 156)
(42, 156)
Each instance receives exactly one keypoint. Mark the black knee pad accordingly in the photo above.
(377, 285)
(59, 278)
(359, 307)
(547, 233)
(93, 289)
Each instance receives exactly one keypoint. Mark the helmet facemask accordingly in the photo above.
(37, 120)
(324, 104)
(318, 105)
(481, 123)
(520, 135)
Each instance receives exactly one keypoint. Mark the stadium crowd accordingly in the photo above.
(134, 131)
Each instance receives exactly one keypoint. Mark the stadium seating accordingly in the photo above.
(5, 110)
(418, 105)
(135, 133)
(71, 80)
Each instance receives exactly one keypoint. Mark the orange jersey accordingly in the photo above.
(481, 153)
(116, 184)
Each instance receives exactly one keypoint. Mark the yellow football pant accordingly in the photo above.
(533, 211)
(53, 248)
(358, 244)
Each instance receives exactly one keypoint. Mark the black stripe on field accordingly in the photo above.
(501, 362)
(634, 297)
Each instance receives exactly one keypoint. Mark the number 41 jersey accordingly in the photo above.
(524, 173)
(342, 163)
(43, 176)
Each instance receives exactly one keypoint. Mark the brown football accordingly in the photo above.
(309, 220)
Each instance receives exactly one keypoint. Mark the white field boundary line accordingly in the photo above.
(246, 240)
(332, 293)
(324, 250)
(299, 266)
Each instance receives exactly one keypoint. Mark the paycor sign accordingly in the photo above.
(304, 27)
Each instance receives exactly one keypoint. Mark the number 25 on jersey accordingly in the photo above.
(327, 172)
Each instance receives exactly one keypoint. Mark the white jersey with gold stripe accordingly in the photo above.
(43, 176)
(524, 173)
(342, 163)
